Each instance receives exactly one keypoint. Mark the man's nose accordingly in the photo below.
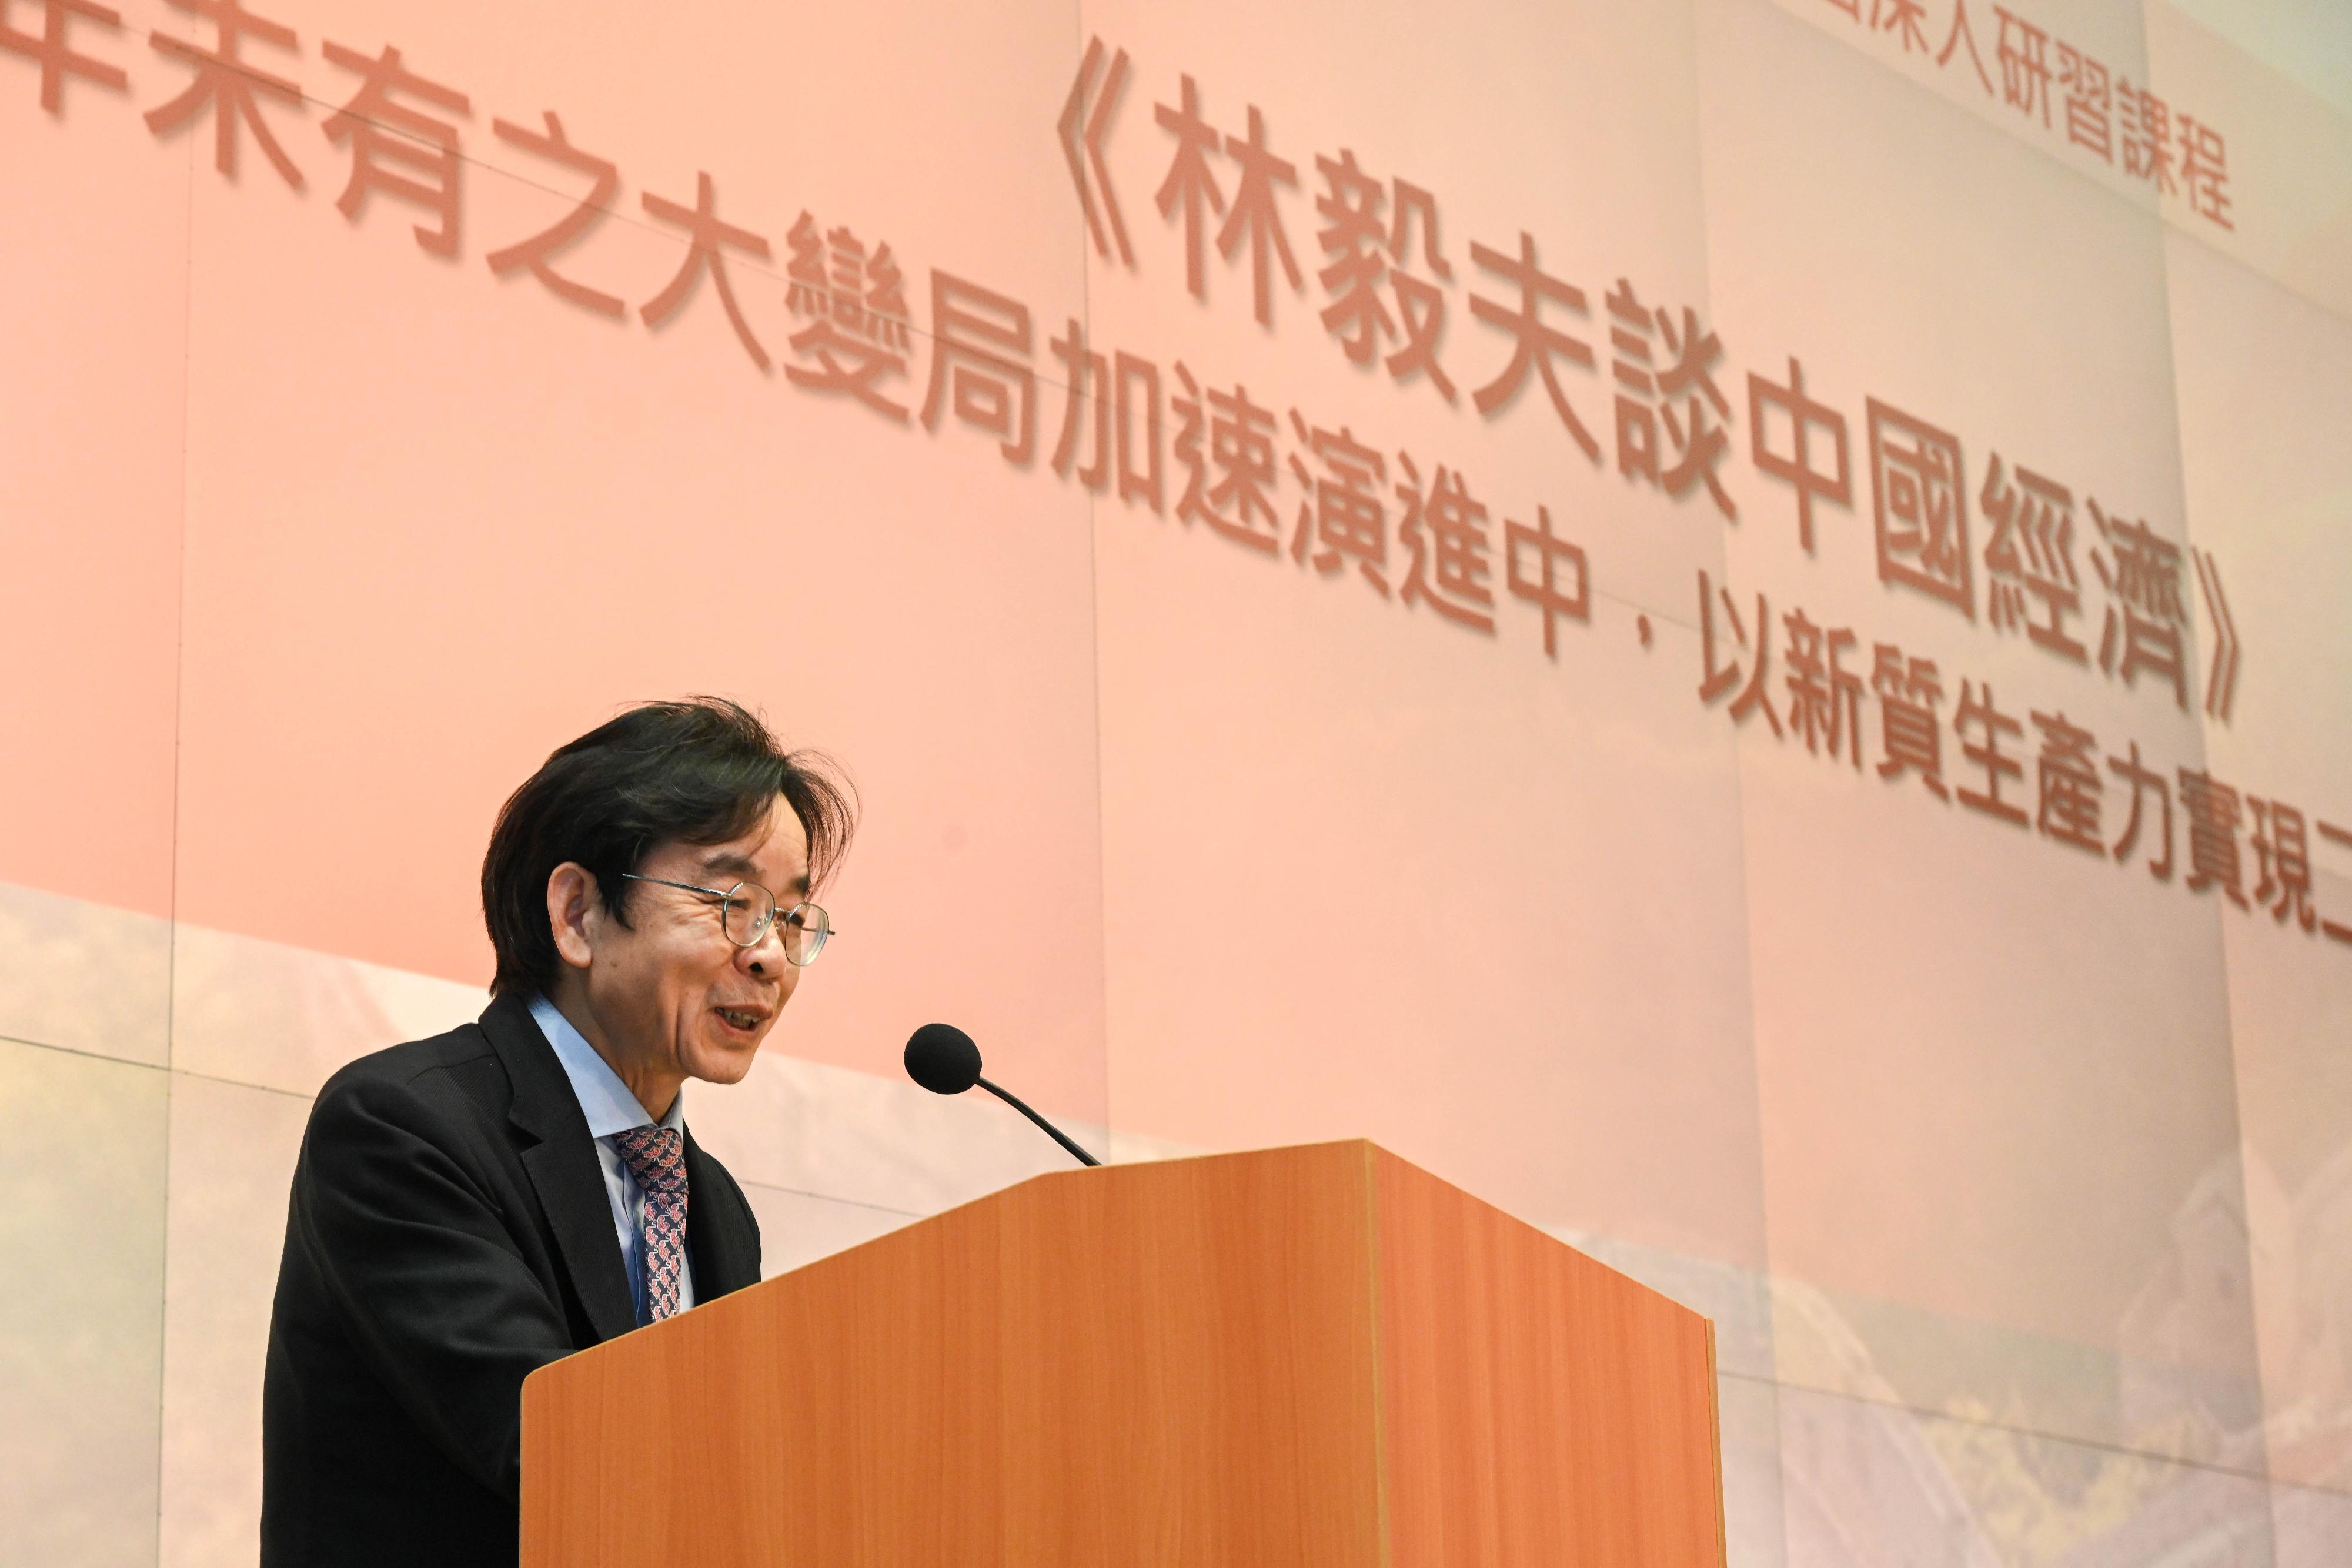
(766, 957)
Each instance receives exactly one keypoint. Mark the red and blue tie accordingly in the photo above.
(656, 1158)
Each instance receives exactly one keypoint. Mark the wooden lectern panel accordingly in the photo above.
(1537, 1407)
(1153, 1364)
(1318, 1356)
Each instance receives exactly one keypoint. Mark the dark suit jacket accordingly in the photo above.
(448, 1234)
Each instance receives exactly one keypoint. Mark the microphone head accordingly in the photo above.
(942, 1058)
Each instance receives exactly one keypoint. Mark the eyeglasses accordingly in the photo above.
(746, 910)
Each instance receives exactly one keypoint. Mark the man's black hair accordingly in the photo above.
(700, 772)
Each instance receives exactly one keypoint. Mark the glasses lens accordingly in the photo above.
(805, 928)
(747, 912)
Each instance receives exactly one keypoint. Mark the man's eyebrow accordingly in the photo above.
(729, 862)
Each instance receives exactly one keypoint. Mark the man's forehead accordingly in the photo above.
(774, 852)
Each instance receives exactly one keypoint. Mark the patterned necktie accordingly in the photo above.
(656, 1157)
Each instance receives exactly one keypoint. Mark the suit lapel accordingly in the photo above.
(563, 1168)
(715, 1233)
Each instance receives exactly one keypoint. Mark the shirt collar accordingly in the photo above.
(605, 1100)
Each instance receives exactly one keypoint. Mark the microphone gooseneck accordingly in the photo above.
(943, 1059)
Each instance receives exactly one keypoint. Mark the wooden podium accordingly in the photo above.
(1311, 1357)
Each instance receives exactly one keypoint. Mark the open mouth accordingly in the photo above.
(741, 1019)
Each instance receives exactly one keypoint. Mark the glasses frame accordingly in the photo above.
(776, 912)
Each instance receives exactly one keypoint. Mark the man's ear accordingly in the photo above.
(576, 912)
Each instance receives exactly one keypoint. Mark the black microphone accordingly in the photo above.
(943, 1059)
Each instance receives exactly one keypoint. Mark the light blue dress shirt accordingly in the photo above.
(612, 1109)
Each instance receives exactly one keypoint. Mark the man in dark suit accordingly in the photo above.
(469, 1207)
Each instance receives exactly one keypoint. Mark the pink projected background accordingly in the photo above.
(1718, 620)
